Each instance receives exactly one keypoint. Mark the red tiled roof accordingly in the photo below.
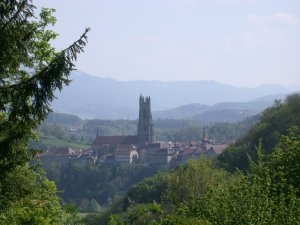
(115, 140)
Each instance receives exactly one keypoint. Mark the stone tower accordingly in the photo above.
(145, 125)
(204, 139)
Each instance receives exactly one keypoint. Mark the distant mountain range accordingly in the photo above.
(104, 98)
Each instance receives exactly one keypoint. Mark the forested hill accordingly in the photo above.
(274, 122)
(104, 98)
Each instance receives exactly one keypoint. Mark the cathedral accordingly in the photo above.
(128, 145)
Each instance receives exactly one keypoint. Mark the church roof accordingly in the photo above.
(115, 140)
(125, 149)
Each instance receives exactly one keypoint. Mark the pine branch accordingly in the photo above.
(69, 54)
(23, 8)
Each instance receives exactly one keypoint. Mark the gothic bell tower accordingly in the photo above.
(145, 124)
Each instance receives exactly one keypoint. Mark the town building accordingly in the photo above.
(125, 154)
(157, 153)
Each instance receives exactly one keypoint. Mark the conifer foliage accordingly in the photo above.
(30, 72)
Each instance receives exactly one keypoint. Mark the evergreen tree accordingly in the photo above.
(30, 71)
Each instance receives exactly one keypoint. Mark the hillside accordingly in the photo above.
(104, 98)
(274, 122)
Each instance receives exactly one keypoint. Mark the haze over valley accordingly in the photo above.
(104, 98)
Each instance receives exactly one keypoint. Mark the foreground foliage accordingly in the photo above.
(30, 71)
(201, 193)
(28, 197)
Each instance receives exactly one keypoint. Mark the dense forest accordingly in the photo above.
(82, 182)
(274, 122)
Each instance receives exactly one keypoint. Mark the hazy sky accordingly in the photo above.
(237, 42)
